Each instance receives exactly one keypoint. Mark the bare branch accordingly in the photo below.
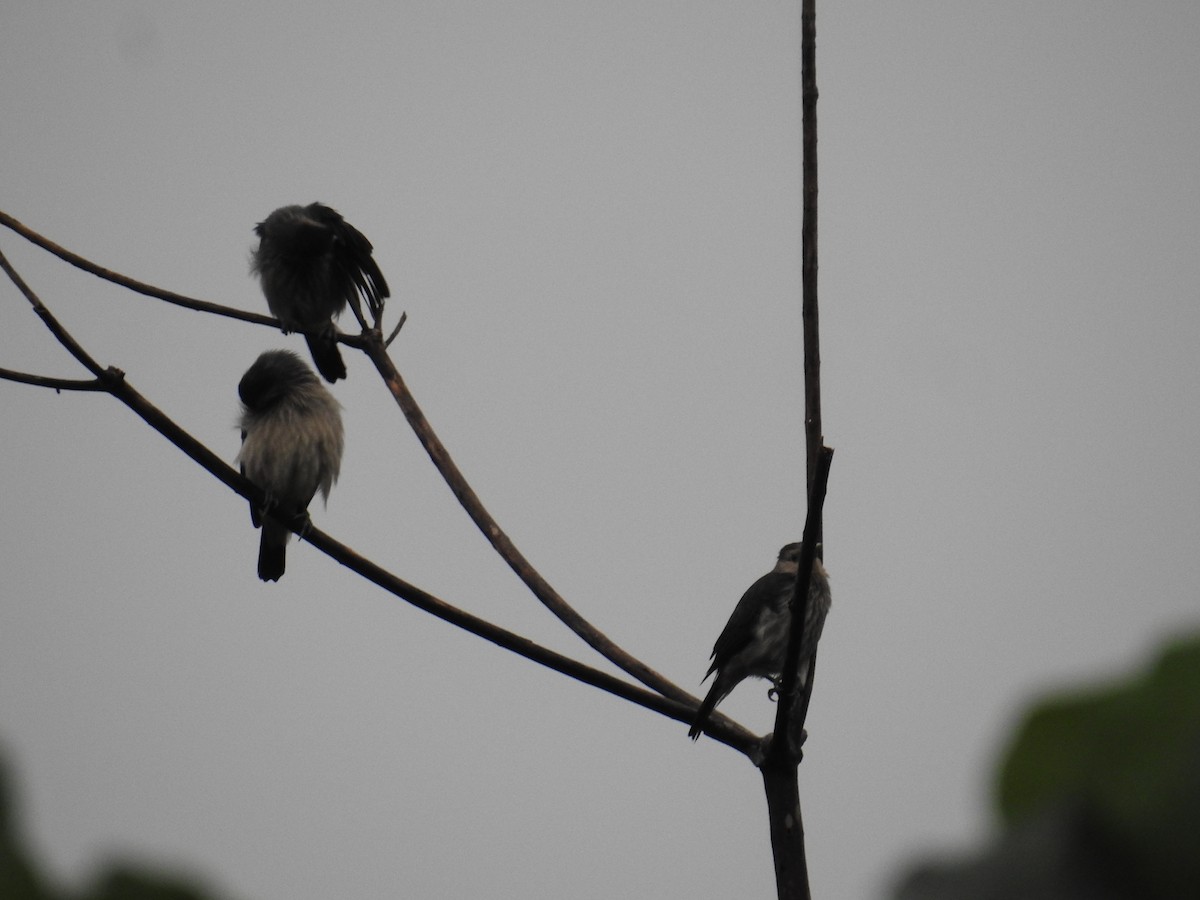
(124, 281)
(814, 436)
(503, 545)
(787, 832)
(721, 727)
(789, 721)
(779, 769)
(61, 334)
(395, 331)
(158, 293)
(423, 600)
(112, 381)
(57, 384)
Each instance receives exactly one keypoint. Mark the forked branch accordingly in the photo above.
(113, 381)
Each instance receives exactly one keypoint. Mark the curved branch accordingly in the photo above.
(125, 281)
(149, 290)
(721, 727)
(391, 583)
(112, 381)
(396, 586)
(57, 384)
(61, 334)
(503, 545)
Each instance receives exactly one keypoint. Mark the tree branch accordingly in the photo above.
(721, 726)
(376, 350)
(61, 334)
(395, 331)
(57, 384)
(814, 436)
(779, 769)
(503, 545)
(125, 281)
(789, 721)
(787, 832)
(150, 290)
(112, 380)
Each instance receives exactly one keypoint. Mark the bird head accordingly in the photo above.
(292, 232)
(789, 557)
(273, 374)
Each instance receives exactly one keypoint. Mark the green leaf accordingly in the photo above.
(1129, 753)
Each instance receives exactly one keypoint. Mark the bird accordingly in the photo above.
(311, 262)
(754, 640)
(292, 441)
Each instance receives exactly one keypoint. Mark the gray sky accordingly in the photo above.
(590, 212)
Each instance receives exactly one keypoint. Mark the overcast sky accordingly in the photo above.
(591, 214)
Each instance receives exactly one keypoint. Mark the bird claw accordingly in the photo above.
(775, 688)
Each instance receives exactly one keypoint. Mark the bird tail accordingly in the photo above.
(324, 350)
(272, 550)
(714, 696)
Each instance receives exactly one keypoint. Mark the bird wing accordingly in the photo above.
(352, 257)
(255, 517)
(764, 594)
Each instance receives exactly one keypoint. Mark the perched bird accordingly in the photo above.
(755, 638)
(311, 263)
(291, 444)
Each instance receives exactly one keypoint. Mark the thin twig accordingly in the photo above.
(158, 293)
(57, 384)
(132, 284)
(60, 333)
(395, 331)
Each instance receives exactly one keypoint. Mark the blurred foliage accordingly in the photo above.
(1100, 797)
(21, 879)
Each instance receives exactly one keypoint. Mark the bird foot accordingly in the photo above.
(774, 689)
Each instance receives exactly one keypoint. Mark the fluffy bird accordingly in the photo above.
(291, 444)
(311, 262)
(755, 638)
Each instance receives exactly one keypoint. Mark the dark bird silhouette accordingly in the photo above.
(754, 641)
(311, 263)
(291, 444)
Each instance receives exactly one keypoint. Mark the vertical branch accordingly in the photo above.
(787, 832)
(789, 717)
(779, 769)
(808, 240)
(781, 761)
